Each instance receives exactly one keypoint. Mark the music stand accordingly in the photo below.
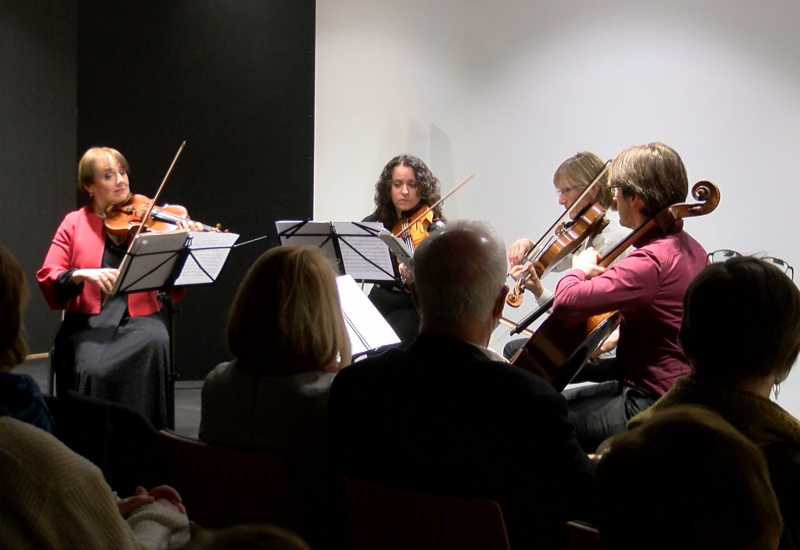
(354, 247)
(162, 261)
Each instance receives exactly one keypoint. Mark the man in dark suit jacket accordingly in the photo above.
(447, 416)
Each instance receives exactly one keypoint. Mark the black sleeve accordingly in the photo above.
(66, 288)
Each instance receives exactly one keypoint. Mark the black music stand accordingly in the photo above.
(354, 247)
(162, 261)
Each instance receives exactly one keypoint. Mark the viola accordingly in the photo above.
(137, 214)
(566, 239)
(563, 237)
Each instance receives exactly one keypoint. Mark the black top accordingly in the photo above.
(442, 417)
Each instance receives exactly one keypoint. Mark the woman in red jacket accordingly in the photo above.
(116, 348)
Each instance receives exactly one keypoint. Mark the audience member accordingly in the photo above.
(685, 479)
(288, 337)
(447, 416)
(741, 334)
(20, 396)
(53, 497)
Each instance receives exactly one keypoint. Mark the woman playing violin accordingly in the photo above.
(405, 188)
(571, 178)
(111, 347)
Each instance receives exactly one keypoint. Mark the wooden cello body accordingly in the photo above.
(561, 346)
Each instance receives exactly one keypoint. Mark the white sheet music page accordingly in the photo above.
(367, 328)
(208, 249)
(357, 244)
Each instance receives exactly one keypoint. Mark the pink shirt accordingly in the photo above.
(79, 243)
(647, 287)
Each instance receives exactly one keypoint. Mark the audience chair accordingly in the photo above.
(119, 440)
(582, 536)
(397, 519)
(223, 486)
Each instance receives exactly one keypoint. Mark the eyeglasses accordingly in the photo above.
(614, 188)
(723, 255)
(562, 192)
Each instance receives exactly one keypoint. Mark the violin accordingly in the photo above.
(566, 239)
(415, 231)
(136, 214)
(563, 238)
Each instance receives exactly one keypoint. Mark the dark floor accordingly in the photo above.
(187, 396)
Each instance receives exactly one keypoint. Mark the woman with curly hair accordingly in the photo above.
(405, 187)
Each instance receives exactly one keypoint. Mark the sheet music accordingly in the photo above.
(359, 240)
(150, 261)
(208, 249)
(399, 248)
(367, 328)
(309, 233)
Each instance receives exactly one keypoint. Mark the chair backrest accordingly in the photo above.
(390, 518)
(222, 486)
(582, 536)
(117, 439)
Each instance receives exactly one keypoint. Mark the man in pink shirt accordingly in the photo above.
(647, 287)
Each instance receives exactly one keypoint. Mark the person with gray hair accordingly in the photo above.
(455, 296)
(446, 415)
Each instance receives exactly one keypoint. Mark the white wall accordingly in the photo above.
(508, 89)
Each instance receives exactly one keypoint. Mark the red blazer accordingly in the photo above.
(79, 243)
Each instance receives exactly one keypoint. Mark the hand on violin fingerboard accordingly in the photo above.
(532, 282)
(190, 225)
(517, 251)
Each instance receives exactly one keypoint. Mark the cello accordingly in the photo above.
(560, 347)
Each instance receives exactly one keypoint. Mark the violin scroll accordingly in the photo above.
(514, 298)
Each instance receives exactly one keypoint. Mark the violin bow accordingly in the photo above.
(434, 205)
(150, 208)
(158, 192)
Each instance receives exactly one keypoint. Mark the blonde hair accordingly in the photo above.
(581, 169)
(286, 317)
(88, 164)
(13, 293)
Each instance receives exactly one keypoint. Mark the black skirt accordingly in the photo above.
(116, 357)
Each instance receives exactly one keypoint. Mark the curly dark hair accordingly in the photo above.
(429, 191)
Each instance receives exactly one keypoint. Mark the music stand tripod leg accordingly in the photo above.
(171, 375)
